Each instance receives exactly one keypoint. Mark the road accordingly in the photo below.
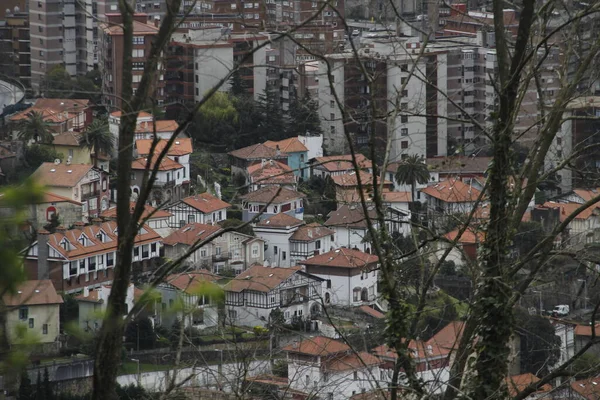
(9, 94)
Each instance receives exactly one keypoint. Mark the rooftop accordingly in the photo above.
(340, 163)
(272, 194)
(469, 236)
(53, 110)
(205, 202)
(161, 126)
(566, 209)
(257, 152)
(60, 175)
(148, 210)
(317, 346)
(350, 215)
(32, 293)
(459, 164)
(452, 191)
(191, 234)
(518, 383)
(271, 172)
(259, 278)
(139, 28)
(311, 232)
(351, 179)
(191, 282)
(166, 164)
(291, 145)
(342, 258)
(180, 147)
(281, 220)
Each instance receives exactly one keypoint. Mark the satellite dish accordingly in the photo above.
(57, 161)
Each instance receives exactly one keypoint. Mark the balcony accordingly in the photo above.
(164, 184)
(89, 195)
(222, 257)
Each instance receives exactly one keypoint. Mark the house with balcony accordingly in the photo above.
(79, 182)
(156, 219)
(310, 240)
(92, 304)
(297, 155)
(169, 184)
(276, 231)
(253, 295)
(241, 159)
(449, 197)
(63, 115)
(203, 208)
(350, 276)
(179, 151)
(330, 368)
(86, 255)
(266, 202)
(338, 165)
(188, 298)
(69, 145)
(270, 173)
(347, 190)
(230, 251)
(351, 226)
(114, 121)
(35, 306)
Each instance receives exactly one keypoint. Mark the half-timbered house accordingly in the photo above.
(202, 208)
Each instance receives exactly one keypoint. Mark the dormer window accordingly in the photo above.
(64, 244)
(82, 240)
(100, 236)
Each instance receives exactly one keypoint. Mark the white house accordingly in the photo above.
(330, 368)
(276, 231)
(270, 173)
(203, 208)
(114, 121)
(583, 228)
(155, 218)
(350, 276)
(35, 306)
(310, 240)
(168, 185)
(231, 250)
(350, 226)
(92, 305)
(268, 201)
(189, 297)
(179, 151)
(146, 126)
(253, 295)
(450, 196)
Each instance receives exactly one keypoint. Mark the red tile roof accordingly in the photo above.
(271, 173)
(342, 258)
(371, 312)
(192, 281)
(587, 388)
(67, 139)
(161, 126)
(452, 191)
(352, 361)
(54, 198)
(34, 292)
(291, 145)
(350, 216)
(469, 236)
(139, 28)
(191, 233)
(205, 202)
(141, 114)
(281, 220)
(311, 232)
(317, 346)
(518, 383)
(567, 209)
(53, 110)
(257, 152)
(166, 164)
(397, 197)
(180, 146)
(259, 278)
(148, 209)
(586, 330)
(351, 179)
(340, 163)
(61, 175)
(273, 195)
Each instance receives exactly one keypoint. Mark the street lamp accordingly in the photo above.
(584, 293)
(540, 292)
(139, 376)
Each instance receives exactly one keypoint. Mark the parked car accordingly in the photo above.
(561, 310)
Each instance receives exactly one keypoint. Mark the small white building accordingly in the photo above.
(268, 201)
(449, 197)
(330, 368)
(310, 240)
(350, 276)
(189, 297)
(92, 305)
(179, 151)
(203, 208)
(276, 231)
(253, 295)
(351, 226)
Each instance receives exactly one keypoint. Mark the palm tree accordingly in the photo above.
(35, 128)
(97, 138)
(411, 171)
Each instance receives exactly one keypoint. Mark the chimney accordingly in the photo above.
(97, 221)
(86, 291)
(79, 225)
(61, 229)
(157, 21)
(43, 272)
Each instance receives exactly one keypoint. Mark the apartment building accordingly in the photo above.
(111, 56)
(14, 44)
(62, 33)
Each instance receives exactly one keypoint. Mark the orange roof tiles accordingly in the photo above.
(189, 282)
(567, 209)
(310, 232)
(452, 191)
(67, 139)
(291, 145)
(139, 28)
(397, 197)
(341, 163)
(469, 236)
(351, 179)
(281, 220)
(518, 383)
(148, 209)
(342, 258)
(53, 110)
(587, 388)
(371, 312)
(61, 175)
(271, 173)
(352, 361)
(141, 114)
(205, 202)
(273, 195)
(257, 152)
(34, 292)
(191, 233)
(586, 330)
(166, 164)
(180, 147)
(161, 126)
(317, 346)
(259, 278)
(350, 216)
(94, 245)
(92, 297)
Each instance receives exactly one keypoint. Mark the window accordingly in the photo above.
(182, 223)
(318, 244)
(404, 119)
(82, 265)
(40, 29)
(45, 329)
(332, 116)
(558, 141)
(136, 251)
(31, 323)
(284, 255)
(41, 53)
(137, 66)
(92, 263)
(191, 218)
(23, 313)
(136, 78)
(110, 259)
(233, 7)
(274, 249)
(332, 104)
(328, 283)
(202, 253)
(404, 144)
(355, 375)
(218, 251)
(255, 249)
(145, 251)
(138, 53)
(332, 129)
(404, 132)
(132, 176)
(138, 40)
